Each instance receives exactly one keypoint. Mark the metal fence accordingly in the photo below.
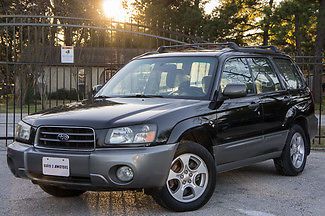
(32, 77)
(312, 66)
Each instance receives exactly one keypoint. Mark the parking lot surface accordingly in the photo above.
(254, 190)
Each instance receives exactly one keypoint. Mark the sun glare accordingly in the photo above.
(113, 9)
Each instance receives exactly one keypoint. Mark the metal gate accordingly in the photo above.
(32, 77)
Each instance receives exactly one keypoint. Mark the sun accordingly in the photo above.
(114, 9)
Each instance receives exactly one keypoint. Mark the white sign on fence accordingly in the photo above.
(67, 55)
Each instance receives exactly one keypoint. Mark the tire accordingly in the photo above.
(60, 192)
(199, 176)
(286, 163)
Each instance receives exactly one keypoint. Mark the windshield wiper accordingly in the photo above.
(101, 97)
(143, 96)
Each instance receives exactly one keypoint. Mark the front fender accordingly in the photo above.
(206, 123)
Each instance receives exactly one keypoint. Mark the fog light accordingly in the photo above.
(124, 174)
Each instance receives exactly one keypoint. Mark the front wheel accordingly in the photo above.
(191, 180)
(60, 192)
(293, 157)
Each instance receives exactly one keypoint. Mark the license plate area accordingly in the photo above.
(56, 166)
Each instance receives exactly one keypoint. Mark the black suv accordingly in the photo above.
(169, 121)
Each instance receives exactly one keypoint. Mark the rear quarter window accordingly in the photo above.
(289, 73)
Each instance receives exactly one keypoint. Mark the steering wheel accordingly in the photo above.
(190, 91)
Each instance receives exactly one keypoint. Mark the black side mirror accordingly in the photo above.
(235, 90)
(96, 89)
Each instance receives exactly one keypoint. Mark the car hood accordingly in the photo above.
(114, 112)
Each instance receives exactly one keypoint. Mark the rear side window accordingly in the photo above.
(265, 78)
(236, 71)
(289, 73)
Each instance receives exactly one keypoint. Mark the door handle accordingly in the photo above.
(286, 99)
(254, 105)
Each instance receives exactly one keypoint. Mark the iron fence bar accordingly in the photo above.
(78, 19)
(7, 82)
(50, 87)
(115, 65)
(57, 85)
(70, 84)
(92, 27)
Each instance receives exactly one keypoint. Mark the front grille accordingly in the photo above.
(74, 138)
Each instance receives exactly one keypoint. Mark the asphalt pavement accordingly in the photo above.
(256, 190)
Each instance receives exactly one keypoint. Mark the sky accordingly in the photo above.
(210, 6)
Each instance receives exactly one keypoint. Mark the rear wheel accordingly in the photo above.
(293, 158)
(60, 192)
(191, 180)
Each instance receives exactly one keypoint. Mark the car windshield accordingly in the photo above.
(172, 77)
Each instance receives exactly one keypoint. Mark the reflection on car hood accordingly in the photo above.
(115, 111)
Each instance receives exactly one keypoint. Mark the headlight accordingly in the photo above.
(137, 134)
(23, 131)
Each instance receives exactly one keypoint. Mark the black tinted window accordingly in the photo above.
(236, 71)
(289, 73)
(264, 76)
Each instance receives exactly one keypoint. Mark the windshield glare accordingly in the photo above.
(181, 77)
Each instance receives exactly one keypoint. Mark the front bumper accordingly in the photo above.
(93, 170)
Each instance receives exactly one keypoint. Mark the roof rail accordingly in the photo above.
(265, 48)
(218, 46)
(199, 46)
(145, 54)
(215, 46)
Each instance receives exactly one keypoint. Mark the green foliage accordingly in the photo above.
(290, 24)
(177, 13)
(294, 26)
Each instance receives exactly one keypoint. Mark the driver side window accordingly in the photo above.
(265, 78)
(236, 71)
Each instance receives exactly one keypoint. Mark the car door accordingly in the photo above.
(275, 101)
(239, 134)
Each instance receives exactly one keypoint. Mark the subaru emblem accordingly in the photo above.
(63, 137)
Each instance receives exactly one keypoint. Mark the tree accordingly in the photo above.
(294, 26)
(268, 12)
(242, 21)
(171, 13)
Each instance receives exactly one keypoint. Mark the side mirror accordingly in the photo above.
(235, 90)
(96, 89)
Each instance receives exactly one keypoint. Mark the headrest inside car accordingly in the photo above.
(206, 83)
(171, 70)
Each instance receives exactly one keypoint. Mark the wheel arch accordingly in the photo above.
(303, 123)
(195, 130)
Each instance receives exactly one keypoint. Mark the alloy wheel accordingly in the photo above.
(297, 150)
(188, 178)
